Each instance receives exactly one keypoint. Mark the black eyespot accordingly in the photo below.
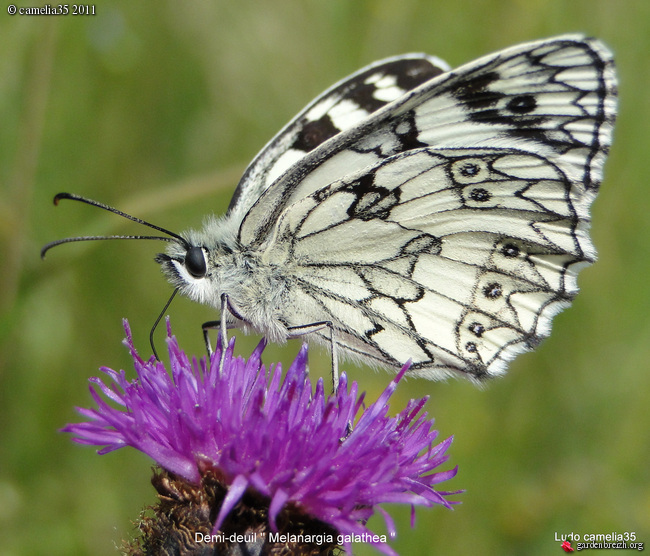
(195, 262)
(480, 195)
(477, 329)
(493, 291)
(469, 169)
(510, 250)
(471, 347)
(522, 104)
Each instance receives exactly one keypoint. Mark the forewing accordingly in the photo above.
(555, 98)
(340, 108)
(455, 259)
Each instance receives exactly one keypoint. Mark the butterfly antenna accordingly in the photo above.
(73, 197)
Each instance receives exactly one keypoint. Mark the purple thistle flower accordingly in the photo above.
(245, 436)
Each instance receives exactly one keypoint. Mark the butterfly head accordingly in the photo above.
(192, 264)
(186, 264)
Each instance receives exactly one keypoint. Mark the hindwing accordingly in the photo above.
(455, 259)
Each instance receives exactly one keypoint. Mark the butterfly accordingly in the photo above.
(414, 212)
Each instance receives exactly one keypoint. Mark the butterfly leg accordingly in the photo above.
(212, 325)
(296, 331)
(223, 326)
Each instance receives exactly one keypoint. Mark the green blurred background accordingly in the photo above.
(156, 108)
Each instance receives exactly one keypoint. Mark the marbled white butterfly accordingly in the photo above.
(415, 212)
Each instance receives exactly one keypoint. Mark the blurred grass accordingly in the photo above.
(156, 109)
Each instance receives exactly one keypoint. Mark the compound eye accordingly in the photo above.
(195, 262)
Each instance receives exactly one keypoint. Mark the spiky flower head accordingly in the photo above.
(244, 451)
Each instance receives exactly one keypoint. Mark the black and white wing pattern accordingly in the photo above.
(339, 108)
(448, 225)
